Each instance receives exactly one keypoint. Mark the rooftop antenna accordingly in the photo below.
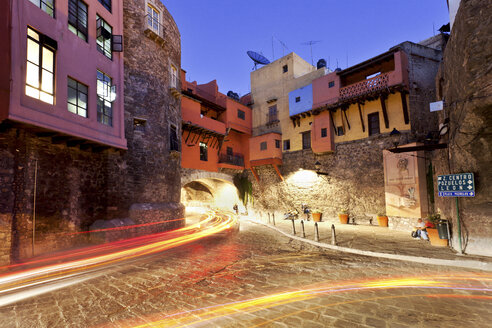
(310, 44)
(284, 46)
(257, 58)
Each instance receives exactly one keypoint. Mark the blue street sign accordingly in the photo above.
(456, 185)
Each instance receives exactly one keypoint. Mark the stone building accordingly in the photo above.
(85, 128)
(342, 121)
(464, 83)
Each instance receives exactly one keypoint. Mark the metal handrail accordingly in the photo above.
(234, 159)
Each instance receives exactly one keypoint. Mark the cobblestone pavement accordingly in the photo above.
(345, 290)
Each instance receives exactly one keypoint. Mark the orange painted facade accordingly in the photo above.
(220, 124)
(266, 148)
(322, 134)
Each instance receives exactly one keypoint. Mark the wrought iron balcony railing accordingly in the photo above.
(234, 159)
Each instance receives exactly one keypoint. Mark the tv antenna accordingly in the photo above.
(284, 46)
(310, 44)
(257, 58)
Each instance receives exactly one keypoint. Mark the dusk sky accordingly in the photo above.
(215, 34)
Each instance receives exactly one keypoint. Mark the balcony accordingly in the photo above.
(154, 30)
(234, 159)
(365, 87)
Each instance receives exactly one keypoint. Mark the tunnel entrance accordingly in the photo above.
(209, 193)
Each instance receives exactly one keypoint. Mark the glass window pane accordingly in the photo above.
(47, 81)
(33, 34)
(32, 77)
(31, 92)
(82, 88)
(32, 51)
(82, 112)
(36, 2)
(72, 108)
(82, 100)
(48, 59)
(47, 98)
(72, 83)
(72, 96)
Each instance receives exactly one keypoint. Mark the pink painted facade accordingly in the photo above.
(73, 57)
(213, 119)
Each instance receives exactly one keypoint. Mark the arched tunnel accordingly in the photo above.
(210, 193)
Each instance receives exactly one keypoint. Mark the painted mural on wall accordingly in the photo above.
(403, 185)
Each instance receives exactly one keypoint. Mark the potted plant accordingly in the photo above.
(343, 216)
(382, 219)
(435, 240)
(317, 214)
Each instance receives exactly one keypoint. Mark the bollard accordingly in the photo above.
(293, 227)
(316, 232)
(333, 235)
(268, 218)
(302, 227)
(273, 217)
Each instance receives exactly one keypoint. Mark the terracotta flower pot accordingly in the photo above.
(434, 238)
(383, 221)
(317, 217)
(343, 218)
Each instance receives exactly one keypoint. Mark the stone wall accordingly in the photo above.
(354, 181)
(465, 81)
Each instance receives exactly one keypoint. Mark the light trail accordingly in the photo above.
(81, 261)
(198, 317)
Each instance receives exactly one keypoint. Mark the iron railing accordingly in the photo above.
(153, 25)
(234, 159)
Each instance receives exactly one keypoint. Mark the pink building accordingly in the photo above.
(62, 69)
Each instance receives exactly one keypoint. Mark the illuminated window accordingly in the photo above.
(105, 97)
(40, 68)
(263, 145)
(203, 151)
(153, 19)
(241, 114)
(104, 33)
(174, 77)
(324, 132)
(77, 18)
(77, 97)
(106, 4)
(48, 6)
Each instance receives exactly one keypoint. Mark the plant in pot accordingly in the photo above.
(382, 219)
(317, 214)
(343, 216)
(432, 232)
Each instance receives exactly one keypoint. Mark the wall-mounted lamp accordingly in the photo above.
(395, 137)
(317, 166)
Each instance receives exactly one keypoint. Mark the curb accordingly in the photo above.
(468, 264)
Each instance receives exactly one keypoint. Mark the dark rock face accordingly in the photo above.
(466, 87)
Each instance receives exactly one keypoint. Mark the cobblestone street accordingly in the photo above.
(205, 284)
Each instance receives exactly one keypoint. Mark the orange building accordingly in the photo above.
(216, 128)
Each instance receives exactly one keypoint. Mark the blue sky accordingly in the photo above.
(215, 34)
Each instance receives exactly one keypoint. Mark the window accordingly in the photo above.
(77, 18)
(229, 151)
(331, 84)
(272, 114)
(40, 66)
(203, 151)
(174, 77)
(306, 140)
(153, 19)
(286, 144)
(373, 123)
(173, 138)
(340, 131)
(263, 145)
(106, 4)
(277, 143)
(285, 68)
(298, 99)
(77, 97)
(324, 133)
(241, 114)
(105, 96)
(48, 6)
(104, 32)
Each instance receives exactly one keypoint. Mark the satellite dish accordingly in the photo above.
(257, 58)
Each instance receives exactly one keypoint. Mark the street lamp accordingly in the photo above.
(395, 137)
